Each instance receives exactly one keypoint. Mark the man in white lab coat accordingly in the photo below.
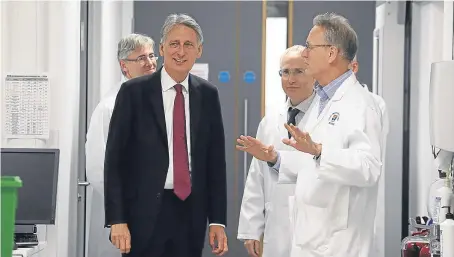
(264, 208)
(379, 227)
(339, 160)
(136, 58)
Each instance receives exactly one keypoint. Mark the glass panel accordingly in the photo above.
(276, 43)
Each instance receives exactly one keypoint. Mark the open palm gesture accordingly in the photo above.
(256, 148)
(301, 141)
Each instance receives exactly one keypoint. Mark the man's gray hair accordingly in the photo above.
(132, 42)
(293, 49)
(339, 33)
(180, 19)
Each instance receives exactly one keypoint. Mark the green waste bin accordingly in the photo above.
(9, 186)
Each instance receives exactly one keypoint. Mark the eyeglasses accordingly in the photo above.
(143, 59)
(285, 73)
(310, 47)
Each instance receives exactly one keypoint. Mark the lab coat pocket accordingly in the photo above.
(340, 211)
(311, 226)
(268, 215)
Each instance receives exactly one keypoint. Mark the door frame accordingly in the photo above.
(81, 177)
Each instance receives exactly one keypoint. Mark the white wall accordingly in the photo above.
(44, 37)
(428, 37)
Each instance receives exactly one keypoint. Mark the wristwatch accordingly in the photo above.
(316, 157)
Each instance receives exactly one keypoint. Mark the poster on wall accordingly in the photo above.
(25, 105)
(201, 70)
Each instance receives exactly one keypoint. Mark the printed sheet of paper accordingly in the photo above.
(26, 103)
(201, 70)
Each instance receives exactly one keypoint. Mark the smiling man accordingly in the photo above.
(136, 57)
(165, 174)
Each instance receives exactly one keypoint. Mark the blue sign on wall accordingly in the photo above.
(224, 76)
(249, 77)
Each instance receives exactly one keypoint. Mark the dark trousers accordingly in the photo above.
(173, 229)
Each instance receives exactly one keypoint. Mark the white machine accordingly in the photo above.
(442, 140)
(441, 97)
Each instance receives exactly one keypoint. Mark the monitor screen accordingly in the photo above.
(38, 170)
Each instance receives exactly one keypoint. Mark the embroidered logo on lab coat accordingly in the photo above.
(333, 118)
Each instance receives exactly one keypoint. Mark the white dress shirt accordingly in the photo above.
(168, 97)
(303, 107)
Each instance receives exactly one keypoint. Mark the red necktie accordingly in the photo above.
(181, 179)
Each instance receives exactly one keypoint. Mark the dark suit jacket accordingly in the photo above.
(137, 158)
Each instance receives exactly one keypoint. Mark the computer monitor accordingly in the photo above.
(38, 170)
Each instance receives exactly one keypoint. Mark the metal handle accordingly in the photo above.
(82, 36)
(83, 183)
(376, 64)
(245, 134)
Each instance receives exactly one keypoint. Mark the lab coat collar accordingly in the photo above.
(315, 119)
(346, 85)
(167, 82)
(305, 106)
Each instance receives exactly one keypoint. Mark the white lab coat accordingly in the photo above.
(336, 196)
(97, 241)
(379, 228)
(265, 206)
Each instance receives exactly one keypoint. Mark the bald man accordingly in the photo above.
(265, 205)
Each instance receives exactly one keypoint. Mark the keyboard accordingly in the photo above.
(25, 240)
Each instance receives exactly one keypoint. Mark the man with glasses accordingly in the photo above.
(136, 58)
(338, 162)
(264, 208)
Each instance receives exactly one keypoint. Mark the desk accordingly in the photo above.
(32, 251)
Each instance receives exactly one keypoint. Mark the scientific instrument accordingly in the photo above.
(441, 119)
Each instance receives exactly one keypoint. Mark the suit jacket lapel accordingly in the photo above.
(158, 104)
(195, 108)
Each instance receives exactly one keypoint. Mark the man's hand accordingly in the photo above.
(218, 240)
(252, 247)
(120, 237)
(257, 149)
(302, 141)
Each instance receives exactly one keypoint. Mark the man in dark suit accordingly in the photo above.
(165, 170)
